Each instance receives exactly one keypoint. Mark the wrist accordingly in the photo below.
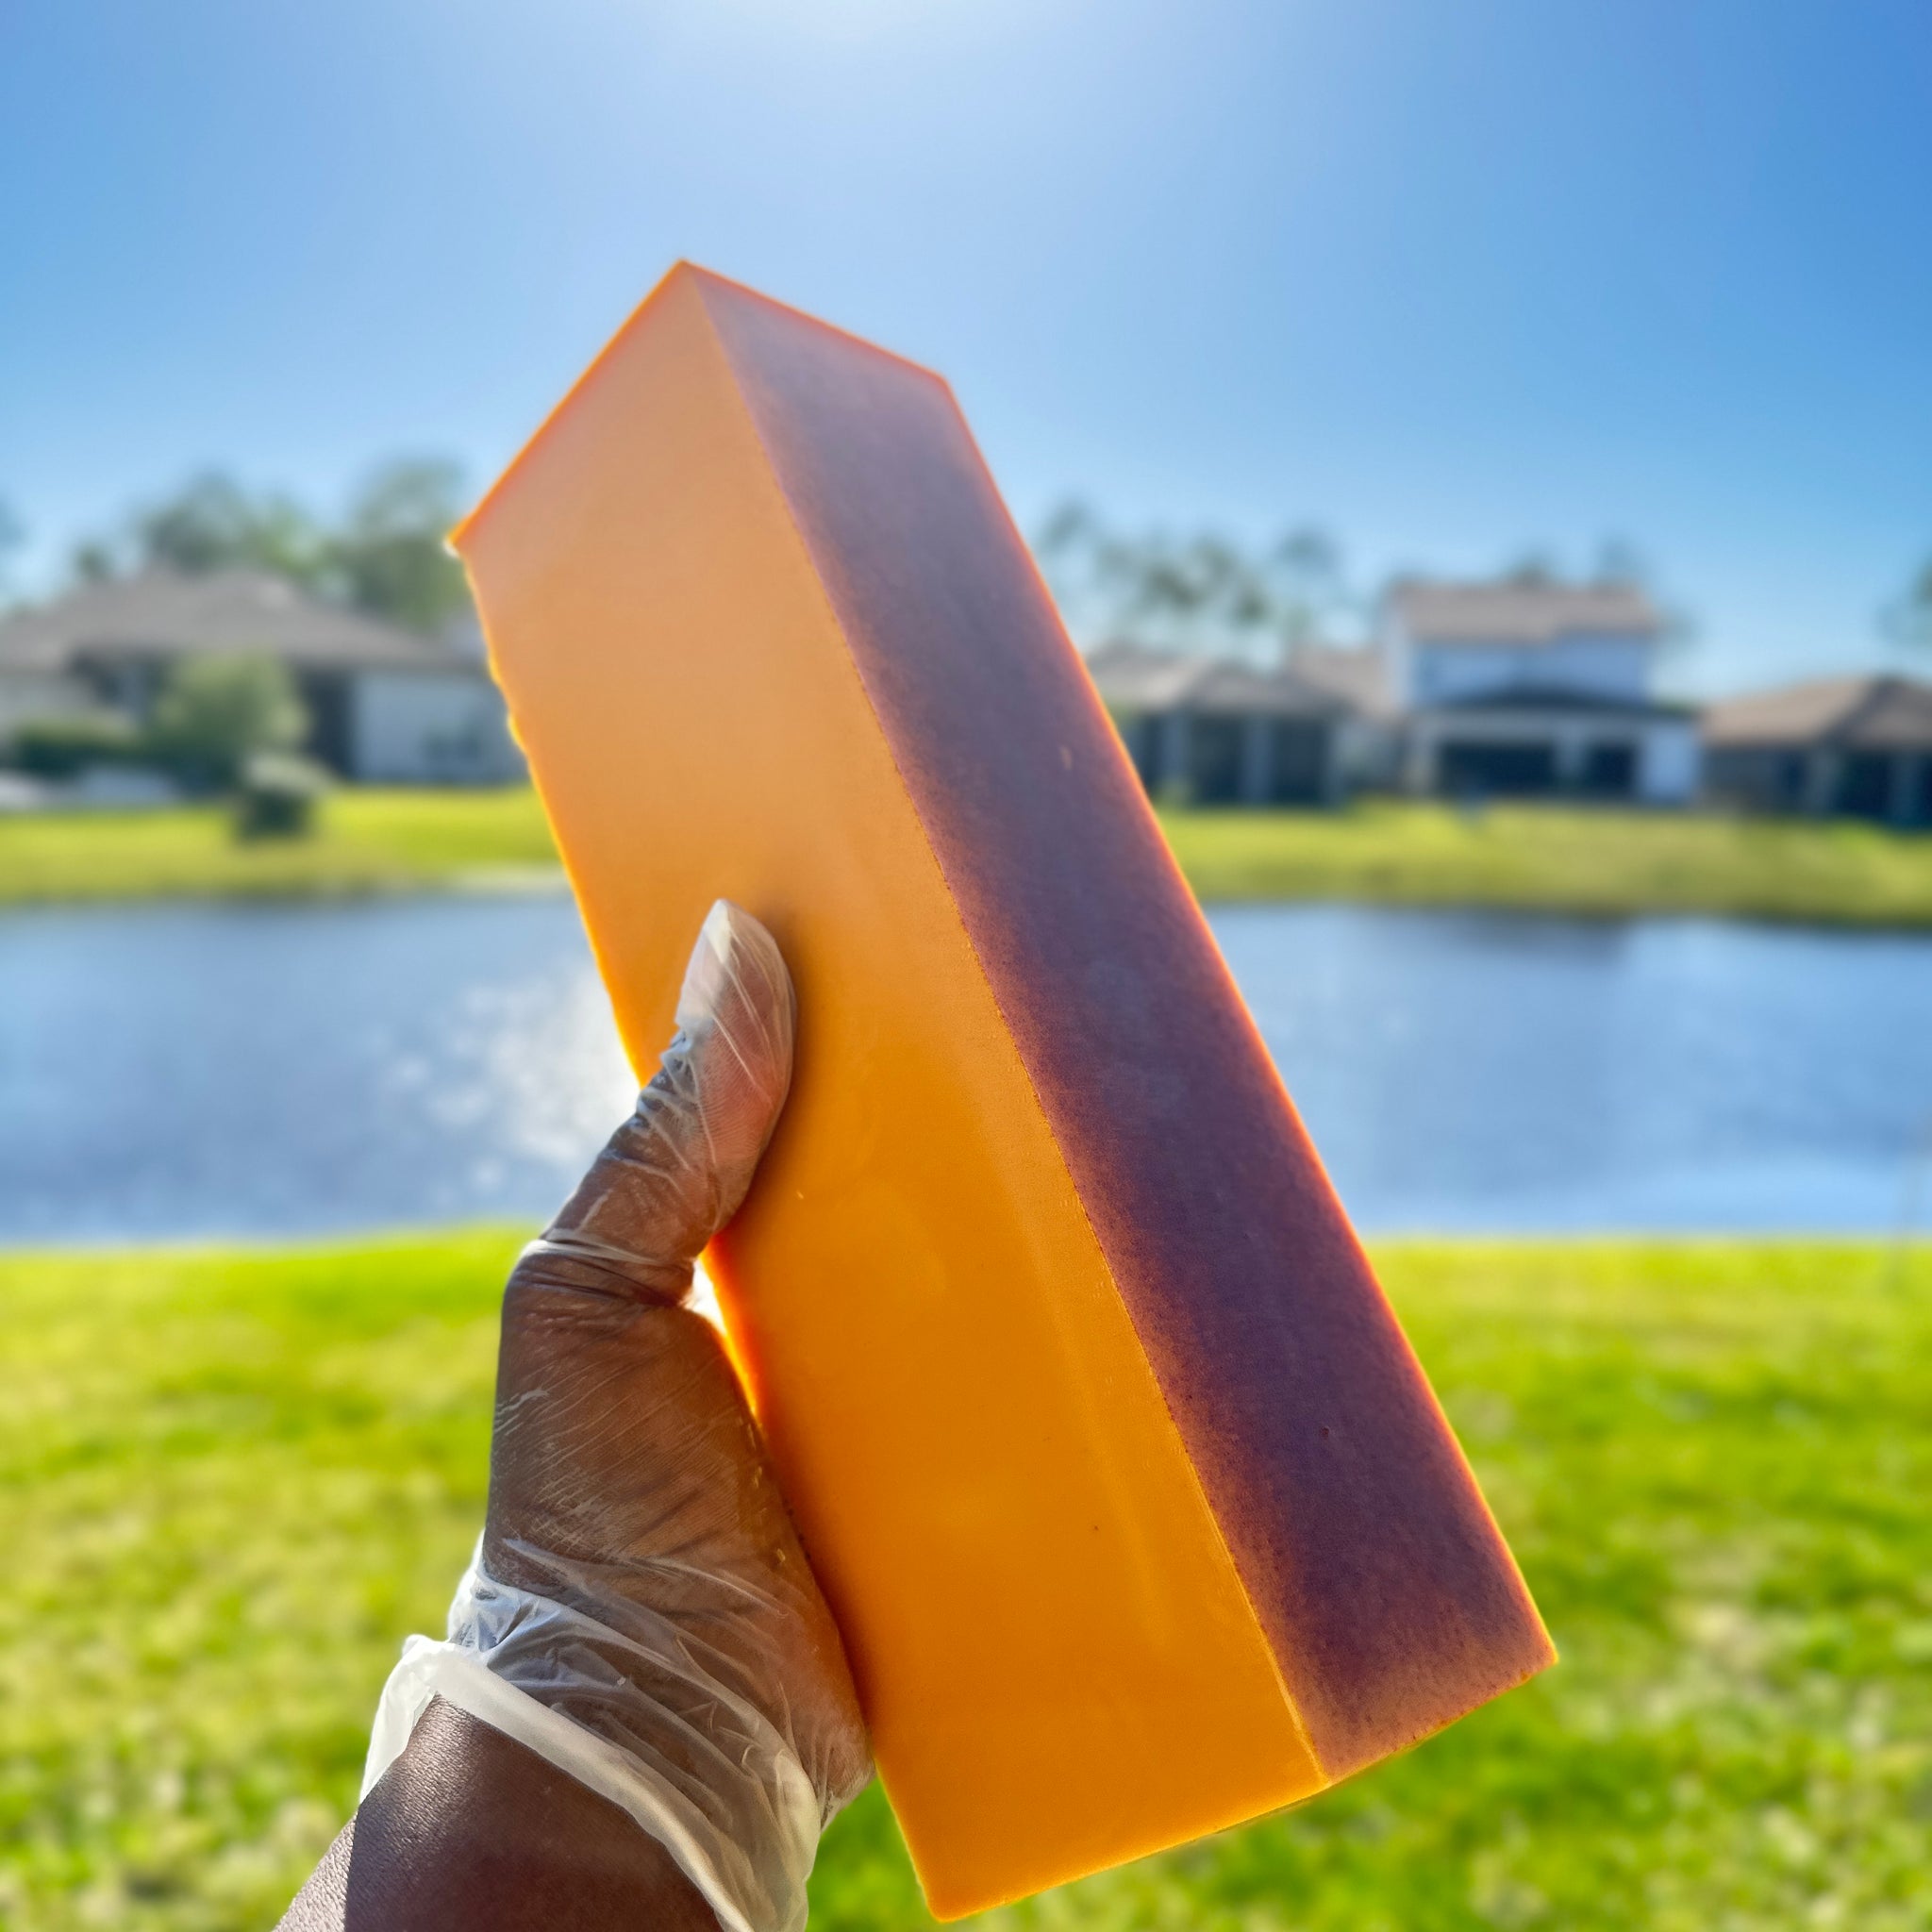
(638, 1712)
(468, 1831)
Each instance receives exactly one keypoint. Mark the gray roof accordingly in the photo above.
(162, 613)
(1132, 677)
(1519, 610)
(1880, 713)
(1355, 674)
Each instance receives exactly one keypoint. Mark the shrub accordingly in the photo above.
(60, 747)
(277, 796)
(214, 713)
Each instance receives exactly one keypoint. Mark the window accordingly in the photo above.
(1298, 760)
(1609, 771)
(1474, 768)
(1214, 760)
(1864, 786)
(1788, 785)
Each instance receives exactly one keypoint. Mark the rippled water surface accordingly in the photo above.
(192, 1070)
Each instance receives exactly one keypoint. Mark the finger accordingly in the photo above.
(628, 1479)
(677, 1169)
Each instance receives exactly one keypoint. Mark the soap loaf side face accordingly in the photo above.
(1388, 1597)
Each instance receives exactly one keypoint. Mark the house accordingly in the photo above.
(1215, 731)
(1857, 746)
(385, 704)
(1528, 687)
(1358, 677)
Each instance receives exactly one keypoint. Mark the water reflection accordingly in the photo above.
(198, 1069)
(206, 1069)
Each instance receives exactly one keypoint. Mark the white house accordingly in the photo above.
(1530, 687)
(385, 704)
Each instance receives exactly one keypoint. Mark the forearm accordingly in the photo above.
(468, 1831)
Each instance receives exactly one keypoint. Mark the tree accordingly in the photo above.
(1535, 566)
(1309, 586)
(213, 524)
(91, 561)
(1624, 564)
(1620, 561)
(12, 534)
(1909, 620)
(1201, 592)
(389, 557)
(215, 712)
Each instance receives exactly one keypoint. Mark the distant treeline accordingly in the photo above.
(1211, 591)
(1202, 591)
(384, 555)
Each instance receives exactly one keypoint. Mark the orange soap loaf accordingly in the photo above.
(1131, 1499)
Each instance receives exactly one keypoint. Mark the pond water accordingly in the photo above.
(213, 1069)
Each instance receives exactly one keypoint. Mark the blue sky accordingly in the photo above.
(1453, 277)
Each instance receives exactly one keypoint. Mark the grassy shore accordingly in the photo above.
(233, 1482)
(1596, 863)
(1556, 859)
(365, 842)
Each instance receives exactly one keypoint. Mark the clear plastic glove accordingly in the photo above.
(640, 1610)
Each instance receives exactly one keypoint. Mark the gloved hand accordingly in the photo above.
(639, 1605)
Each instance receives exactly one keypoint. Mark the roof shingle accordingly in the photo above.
(1878, 713)
(1131, 677)
(165, 613)
(1525, 611)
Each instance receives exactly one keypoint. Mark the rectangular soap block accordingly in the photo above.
(1132, 1502)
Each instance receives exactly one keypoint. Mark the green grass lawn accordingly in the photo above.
(233, 1482)
(1559, 860)
(366, 842)
(1584, 861)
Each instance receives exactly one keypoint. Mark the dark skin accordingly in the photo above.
(468, 1830)
(628, 1481)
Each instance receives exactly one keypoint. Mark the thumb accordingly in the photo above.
(678, 1169)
